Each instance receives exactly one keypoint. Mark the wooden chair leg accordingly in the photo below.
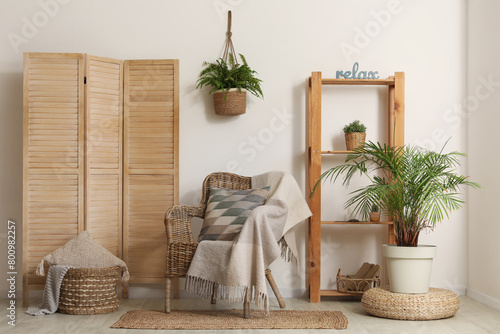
(246, 310)
(246, 307)
(214, 293)
(276, 291)
(168, 287)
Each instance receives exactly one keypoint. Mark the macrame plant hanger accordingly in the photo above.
(229, 48)
(230, 103)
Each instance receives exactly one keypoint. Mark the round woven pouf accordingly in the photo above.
(436, 304)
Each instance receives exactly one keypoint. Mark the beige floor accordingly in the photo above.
(473, 317)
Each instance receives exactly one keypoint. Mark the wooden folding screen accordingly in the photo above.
(150, 163)
(77, 158)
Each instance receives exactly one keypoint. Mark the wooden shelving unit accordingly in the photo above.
(395, 119)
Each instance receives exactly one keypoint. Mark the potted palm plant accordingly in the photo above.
(229, 82)
(416, 188)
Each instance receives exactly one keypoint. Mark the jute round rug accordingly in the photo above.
(232, 319)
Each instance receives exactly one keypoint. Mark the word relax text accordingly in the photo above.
(355, 75)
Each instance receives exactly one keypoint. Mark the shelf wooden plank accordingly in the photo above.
(336, 152)
(369, 82)
(335, 293)
(356, 223)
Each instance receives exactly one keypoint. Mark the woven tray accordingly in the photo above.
(436, 304)
(89, 291)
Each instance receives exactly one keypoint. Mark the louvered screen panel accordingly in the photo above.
(53, 155)
(104, 210)
(52, 215)
(53, 113)
(148, 198)
(104, 124)
(151, 116)
(150, 162)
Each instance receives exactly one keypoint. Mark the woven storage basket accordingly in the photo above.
(354, 140)
(234, 104)
(89, 291)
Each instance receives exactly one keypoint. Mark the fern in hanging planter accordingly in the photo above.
(224, 75)
(229, 82)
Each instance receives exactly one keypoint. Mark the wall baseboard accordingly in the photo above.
(158, 292)
(483, 298)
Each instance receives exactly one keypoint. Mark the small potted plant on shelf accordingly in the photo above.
(229, 82)
(374, 214)
(355, 134)
(416, 188)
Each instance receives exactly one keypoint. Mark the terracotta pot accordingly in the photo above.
(234, 104)
(374, 216)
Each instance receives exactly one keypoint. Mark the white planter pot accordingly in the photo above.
(409, 268)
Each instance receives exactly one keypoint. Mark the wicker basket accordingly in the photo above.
(354, 285)
(234, 104)
(89, 291)
(354, 140)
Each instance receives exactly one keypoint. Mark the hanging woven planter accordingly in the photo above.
(234, 103)
(230, 81)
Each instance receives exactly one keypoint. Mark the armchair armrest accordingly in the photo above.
(178, 222)
(179, 257)
(185, 212)
(180, 244)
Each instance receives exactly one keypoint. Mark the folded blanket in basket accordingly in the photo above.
(83, 252)
(51, 293)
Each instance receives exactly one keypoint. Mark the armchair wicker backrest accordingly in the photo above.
(222, 180)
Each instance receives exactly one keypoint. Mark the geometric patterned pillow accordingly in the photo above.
(227, 211)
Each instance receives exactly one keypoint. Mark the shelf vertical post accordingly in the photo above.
(396, 123)
(399, 109)
(391, 115)
(314, 145)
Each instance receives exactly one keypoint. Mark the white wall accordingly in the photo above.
(284, 41)
(484, 99)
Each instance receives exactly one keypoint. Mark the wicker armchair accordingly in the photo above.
(180, 244)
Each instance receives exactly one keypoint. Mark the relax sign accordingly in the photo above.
(354, 74)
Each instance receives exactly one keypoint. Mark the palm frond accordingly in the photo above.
(416, 187)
